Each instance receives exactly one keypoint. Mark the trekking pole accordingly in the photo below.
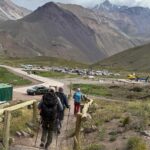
(56, 139)
(68, 119)
(38, 130)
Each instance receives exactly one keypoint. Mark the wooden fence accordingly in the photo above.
(7, 119)
(80, 118)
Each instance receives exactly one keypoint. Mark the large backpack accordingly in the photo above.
(49, 107)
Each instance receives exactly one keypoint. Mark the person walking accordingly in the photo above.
(64, 101)
(77, 100)
(49, 107)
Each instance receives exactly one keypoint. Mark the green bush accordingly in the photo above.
(113, 138)
(102, 134)
(95, 147)
(126, 121)
(136, 143)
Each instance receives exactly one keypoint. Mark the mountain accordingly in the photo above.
(135, 59)
(8, 10)
(133, 21)
(106, 6)
(109, 37)
(49, 31)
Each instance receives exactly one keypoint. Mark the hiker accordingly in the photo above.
(49, 106)
(64, 101)
(77, 100)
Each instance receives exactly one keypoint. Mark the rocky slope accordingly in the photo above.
(133, 21)
(50, 31)
(8, 10)
(109, 37)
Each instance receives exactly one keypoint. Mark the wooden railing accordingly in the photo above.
(7, 119)
(80, 118)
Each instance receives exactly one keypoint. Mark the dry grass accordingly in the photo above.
(116, 123)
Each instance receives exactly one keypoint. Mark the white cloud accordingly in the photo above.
(33, 4)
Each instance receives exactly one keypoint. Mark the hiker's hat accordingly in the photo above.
(51, 89)
(78, 89)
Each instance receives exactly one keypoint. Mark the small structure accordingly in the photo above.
(6, 92)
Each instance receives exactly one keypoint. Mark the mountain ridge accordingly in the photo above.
(130, 20)
(9, 10)
(134, 59)
(50, 31)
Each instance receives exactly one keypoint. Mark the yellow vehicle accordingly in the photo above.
(132, 76)
(136, 78)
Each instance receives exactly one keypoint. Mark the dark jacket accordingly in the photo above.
(63, 99)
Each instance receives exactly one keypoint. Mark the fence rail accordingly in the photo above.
(81, 117)
(7, 119)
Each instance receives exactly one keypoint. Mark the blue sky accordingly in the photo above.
(33, 4)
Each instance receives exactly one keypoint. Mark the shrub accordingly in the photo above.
(95, 147)
(136, 89)
(114, 87)
(102, 133)
(126, 121)
(136, 143)
(113, 138)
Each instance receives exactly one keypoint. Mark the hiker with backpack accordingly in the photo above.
(64, 101)
(49, 107)
(77, 100)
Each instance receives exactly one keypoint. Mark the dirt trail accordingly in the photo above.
(62, 141)
(20, 93)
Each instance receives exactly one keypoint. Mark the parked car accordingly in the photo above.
(37, 90)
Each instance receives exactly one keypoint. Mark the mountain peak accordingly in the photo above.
(49, 10)
(107, 3)
(48, 6)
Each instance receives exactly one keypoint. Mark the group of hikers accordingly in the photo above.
(52, 107)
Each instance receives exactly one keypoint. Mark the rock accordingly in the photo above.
(30, 125)
(146, 133)
(124, 137)
(11, 140)
(89, 116)
(25, 134)
(90, 130)
(18, 133)
(94, 127)
(29, 130)
(120, 130)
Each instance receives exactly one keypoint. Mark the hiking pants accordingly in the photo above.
(47, 133)
(76, 107)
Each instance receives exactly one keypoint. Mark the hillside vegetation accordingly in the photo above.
(10, 78)
(135, 59)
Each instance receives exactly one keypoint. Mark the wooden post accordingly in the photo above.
(6, 130)
(35, 113)
(77, 132)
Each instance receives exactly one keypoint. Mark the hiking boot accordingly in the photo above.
(42, 145)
